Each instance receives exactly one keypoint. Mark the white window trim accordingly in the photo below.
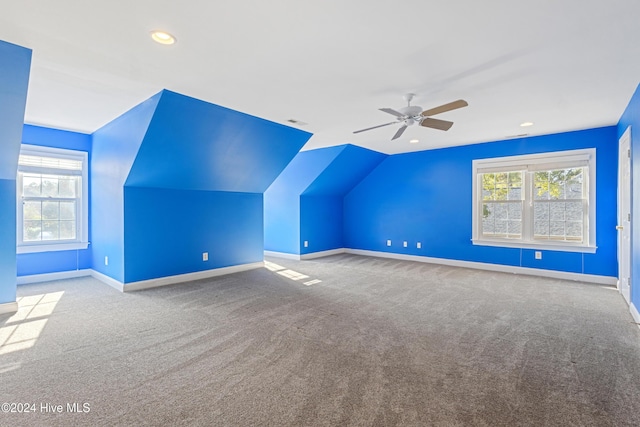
(82, 240)
(531, 162)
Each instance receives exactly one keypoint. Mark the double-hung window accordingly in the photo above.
(540, 201)
(51, 199)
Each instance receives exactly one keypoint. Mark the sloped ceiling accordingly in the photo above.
(564, 65)
(192, 144)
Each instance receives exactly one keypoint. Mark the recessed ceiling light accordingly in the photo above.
(162, 37)
(526, 124)
(413, 141)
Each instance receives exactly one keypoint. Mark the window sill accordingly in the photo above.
(548, 246)
(54, 247)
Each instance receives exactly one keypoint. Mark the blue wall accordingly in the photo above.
(167, 230)
(281, 221)
(320, 223)
(51, 262)
(305, 202)
(114, 150)
(175, 177)
(321, 204)
(196, 145)
(427, 197)
(15, 63)
(631, 117)
(165, 162)
(7, 240)
(282, 198)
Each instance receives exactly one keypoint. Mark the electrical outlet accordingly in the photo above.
(388, 242)
(538, 255)
(306, 243)
(205, 256)
(419, 245)
(106, 260)
(404, 244)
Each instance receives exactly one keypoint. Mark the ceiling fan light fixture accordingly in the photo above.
(526, 124)
(162, 37)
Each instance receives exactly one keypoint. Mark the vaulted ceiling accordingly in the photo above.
(563, 65)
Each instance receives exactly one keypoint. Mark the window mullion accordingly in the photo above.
(527, 207)
(79, 202)
(20, 210)
(585, 205)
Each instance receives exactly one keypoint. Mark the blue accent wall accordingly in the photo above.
(320, 223)
(427, 197)
(114, 149)
(631, 117)
(305, 202)
(53, 262)
(15, 64)
(167, 230)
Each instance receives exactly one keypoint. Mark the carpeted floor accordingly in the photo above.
(342, 340)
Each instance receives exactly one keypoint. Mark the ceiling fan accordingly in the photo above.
(412, 114)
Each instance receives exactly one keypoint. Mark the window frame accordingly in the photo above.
(530, 163)
(82, 209)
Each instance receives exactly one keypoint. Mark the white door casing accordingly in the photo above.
(624, 215)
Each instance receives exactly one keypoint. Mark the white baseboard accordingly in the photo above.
(635, 314)
(8, 307)
(284, 255)
(590, 278)
(181, 278)
(47, 277)
(116, 284)
(322, 253)
(171, 280)
(310, 255)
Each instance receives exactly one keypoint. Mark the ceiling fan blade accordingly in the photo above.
(428, 122)
(375, 127)
(444, 108)
(399, 132)
(392, 111)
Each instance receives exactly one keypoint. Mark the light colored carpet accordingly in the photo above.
(374, 342)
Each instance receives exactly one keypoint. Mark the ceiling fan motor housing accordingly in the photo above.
(411, 110)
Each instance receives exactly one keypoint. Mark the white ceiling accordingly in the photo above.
(562, 64)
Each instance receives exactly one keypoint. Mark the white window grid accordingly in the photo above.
(528, 165)
(53, 162)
